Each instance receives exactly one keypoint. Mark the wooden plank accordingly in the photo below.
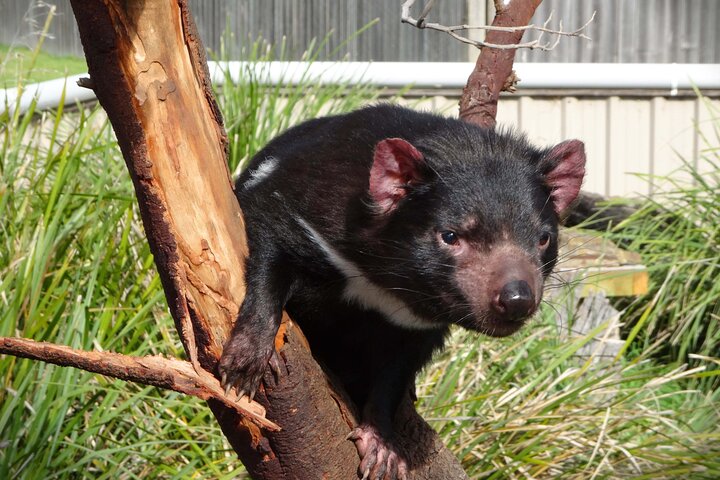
(593, 264)
(706, 142)
(508, 114)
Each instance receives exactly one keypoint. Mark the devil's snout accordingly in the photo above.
(503, 285)
(515, 301)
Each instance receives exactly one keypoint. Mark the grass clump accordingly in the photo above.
(677, 232)
(256, 111)
(75, 269)
(528, 407)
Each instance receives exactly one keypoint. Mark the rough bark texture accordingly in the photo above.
(493, 70)
(149, 72)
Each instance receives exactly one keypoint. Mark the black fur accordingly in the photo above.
(486, 186)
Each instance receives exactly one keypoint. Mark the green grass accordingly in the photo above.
(677, 233)
(255, 112)
(75, 269)
(17, 63)
(528, 407)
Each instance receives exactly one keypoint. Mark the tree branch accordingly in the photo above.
(452, 30)
(167, 373)
(493, 69)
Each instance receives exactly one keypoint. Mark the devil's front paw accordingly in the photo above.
(243, 364)
(379, 459)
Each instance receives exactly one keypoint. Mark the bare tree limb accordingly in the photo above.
(453, 30)
(167, 373)
(493, 71)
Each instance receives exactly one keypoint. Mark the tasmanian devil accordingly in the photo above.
(376, 231)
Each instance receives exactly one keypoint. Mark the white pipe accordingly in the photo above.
(447, 75)
(620, 76)
(454, 74)
(48, 94)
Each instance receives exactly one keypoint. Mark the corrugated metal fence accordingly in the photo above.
(633, 31)
(681, 31)
(300, 22)
(624, 134)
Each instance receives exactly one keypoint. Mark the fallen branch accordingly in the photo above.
(161, 372)
(452, 30)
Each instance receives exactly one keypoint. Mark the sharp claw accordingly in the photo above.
(228, 387)
(223, 378)
(252, 394)
(381, 468)
(379, 458)
(275, 366)
(392, 467)
(372, 458)
(241, 393)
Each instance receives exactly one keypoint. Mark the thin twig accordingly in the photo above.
(426, 9)
(452, 30)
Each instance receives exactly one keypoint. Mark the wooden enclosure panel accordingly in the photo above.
(542, 120)
(587, 120)
(707, 140)
(629, 133)
(661, 31)
(508, 113)
(673, 139)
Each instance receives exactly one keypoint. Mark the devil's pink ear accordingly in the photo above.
(566, 172)
(396, 165)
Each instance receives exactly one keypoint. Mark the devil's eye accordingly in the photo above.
(449, 237)
(544, 239)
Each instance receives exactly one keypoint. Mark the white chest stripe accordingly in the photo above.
(361, 290)
(261, 172)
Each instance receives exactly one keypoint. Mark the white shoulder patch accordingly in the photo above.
(360, 290)
(261, 172)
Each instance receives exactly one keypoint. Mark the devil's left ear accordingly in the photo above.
(564, 169)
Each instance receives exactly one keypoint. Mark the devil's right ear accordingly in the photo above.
(564, 170)
(397, 164)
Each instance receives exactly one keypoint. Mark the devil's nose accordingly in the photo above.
(515, 301)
